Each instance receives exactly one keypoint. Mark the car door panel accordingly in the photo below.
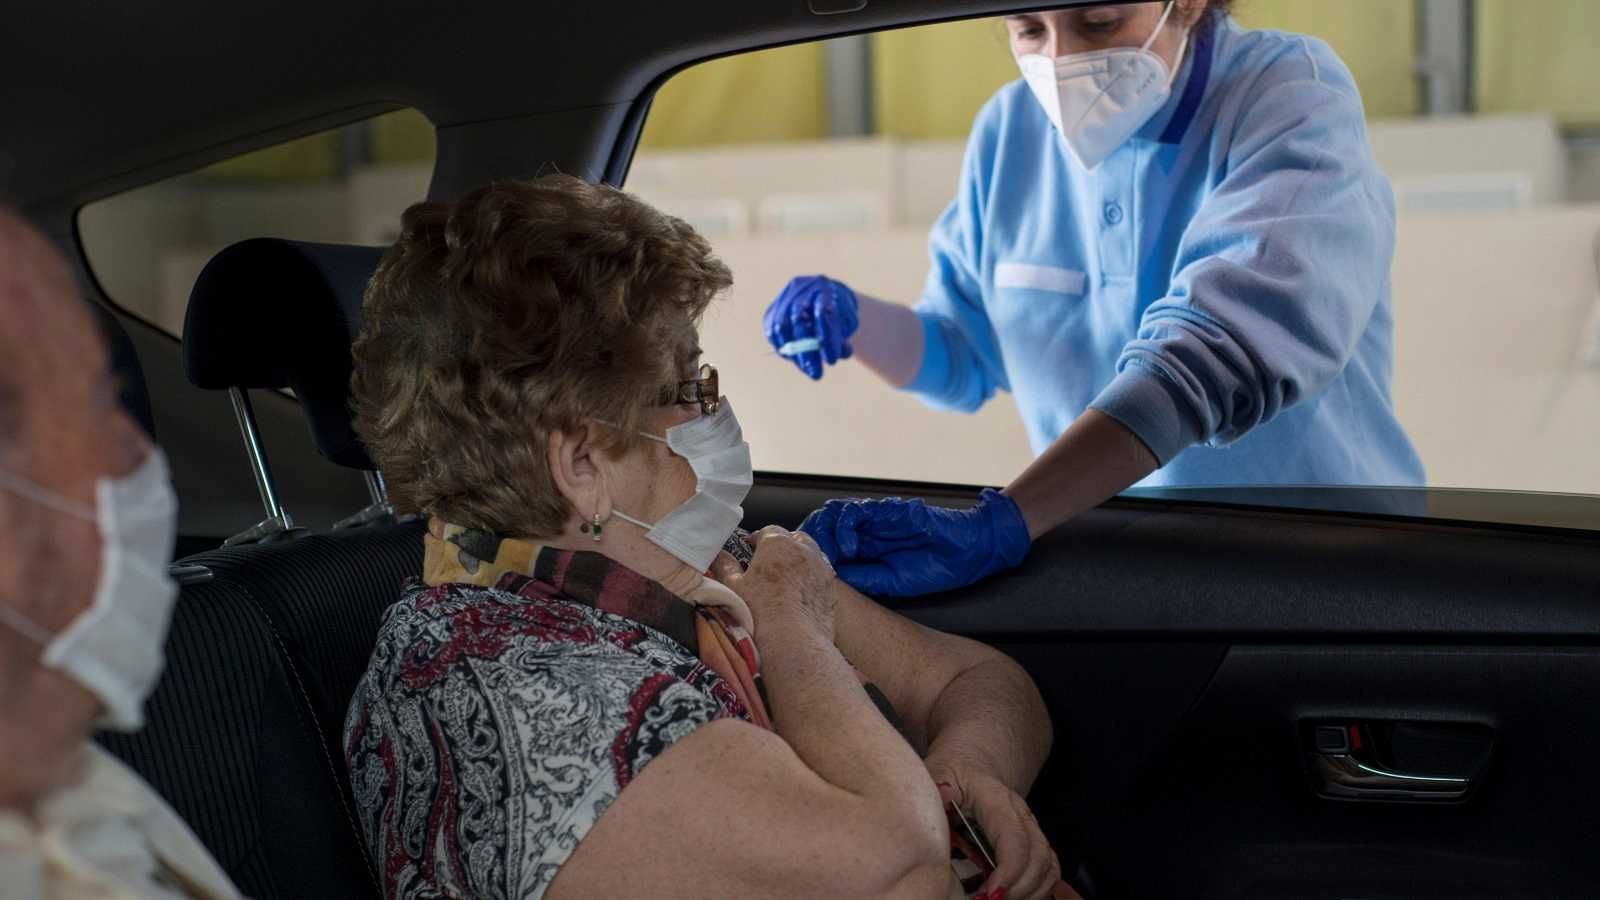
(1187, 651)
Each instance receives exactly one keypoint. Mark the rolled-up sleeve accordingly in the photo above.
(1275, 282)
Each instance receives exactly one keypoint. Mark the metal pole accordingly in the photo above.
(849, 62)
(252, 447)
(377, 487)
(1445, 51)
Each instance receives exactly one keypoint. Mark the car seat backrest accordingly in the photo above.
(234, 748)
(270, 638)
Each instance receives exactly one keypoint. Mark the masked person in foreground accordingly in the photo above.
(565, 704)
(85, 600)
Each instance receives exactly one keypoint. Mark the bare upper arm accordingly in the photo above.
(912, 664)
(730, 810)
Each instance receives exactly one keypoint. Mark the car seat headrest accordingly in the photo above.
(273, 314)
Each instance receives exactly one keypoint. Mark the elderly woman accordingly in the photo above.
(565, 704)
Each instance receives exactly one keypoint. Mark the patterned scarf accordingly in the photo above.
(712, 622)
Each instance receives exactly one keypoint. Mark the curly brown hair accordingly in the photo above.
(525, 308)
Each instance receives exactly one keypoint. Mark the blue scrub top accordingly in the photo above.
(1220, 285)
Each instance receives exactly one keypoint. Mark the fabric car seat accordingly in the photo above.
(269, 639)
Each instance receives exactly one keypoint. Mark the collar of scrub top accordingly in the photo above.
(1204, 43)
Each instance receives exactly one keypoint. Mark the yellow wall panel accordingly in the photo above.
(1376, 38)
(315, 156)
(1539, 56)
(403, 136)
(931, 81)
(771, 95)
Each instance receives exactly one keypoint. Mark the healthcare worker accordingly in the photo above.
(1171, 244)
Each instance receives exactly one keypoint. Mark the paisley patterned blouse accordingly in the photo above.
(502, 713)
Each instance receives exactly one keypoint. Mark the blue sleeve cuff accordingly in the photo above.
(933, 377)
(1153, 408)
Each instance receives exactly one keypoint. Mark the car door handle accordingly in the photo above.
(1397, 761)
(1342, 775)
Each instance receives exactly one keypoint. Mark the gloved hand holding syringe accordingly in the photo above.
(811, 323)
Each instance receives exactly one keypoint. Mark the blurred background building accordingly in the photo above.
(836, 157)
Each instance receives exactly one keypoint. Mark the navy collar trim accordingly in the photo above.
(1199, 79)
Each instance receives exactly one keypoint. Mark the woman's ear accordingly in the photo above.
(579, 472)
(1189, 12)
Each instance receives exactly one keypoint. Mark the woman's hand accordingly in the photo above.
(1025, 866)
(789, 579)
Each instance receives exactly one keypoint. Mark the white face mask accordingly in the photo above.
(114, 649)
(1098, 100)
(695, 530)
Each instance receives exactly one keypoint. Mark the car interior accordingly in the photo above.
(1374, 693)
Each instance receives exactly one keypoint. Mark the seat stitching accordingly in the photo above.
(327, 755)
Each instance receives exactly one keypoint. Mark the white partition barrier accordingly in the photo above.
(849, 423)
(1472, 163)
(1491, 378)
(1491, 348)
(1492, 305)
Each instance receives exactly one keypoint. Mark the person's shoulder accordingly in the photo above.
(433, 631)
(1010, 106)
(119, 790)
(1012, 96)
(421, 605)
(1261, 60)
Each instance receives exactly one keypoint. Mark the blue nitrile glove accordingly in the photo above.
(906, 548)
(811, 323)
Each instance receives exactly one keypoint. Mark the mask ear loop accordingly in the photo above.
(49, 499)
(25, 626)
(1183, 48)
(1151, 40)
(631, 520)
(26, 489)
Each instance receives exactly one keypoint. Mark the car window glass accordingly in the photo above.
(348, 185)
(838, 158)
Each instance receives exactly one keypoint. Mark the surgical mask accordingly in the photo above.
(114, 649)
(696, 529)
(1098, 100)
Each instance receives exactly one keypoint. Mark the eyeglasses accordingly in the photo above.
(701, 390)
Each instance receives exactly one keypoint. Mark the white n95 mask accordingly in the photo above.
(114, 649)
(1098, 100)
(695, 530)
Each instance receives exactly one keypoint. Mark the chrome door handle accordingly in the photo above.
(1342, 775)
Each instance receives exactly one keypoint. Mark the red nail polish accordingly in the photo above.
(980, 897)
(999, 893)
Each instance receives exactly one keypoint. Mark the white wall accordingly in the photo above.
(1583, 172)
(1469, 163)
(1491, 305)
(849, 423)
(128, 238)
(1490, 317)
(1491, 380)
